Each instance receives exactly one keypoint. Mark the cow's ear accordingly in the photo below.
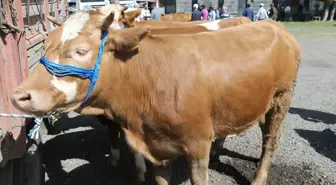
(125, 40)
(130, 16)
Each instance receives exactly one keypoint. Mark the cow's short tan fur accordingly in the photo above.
(170, 92)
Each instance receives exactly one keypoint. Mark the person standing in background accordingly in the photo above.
(273, 12)
(287, 11)
(212, 14)
(196, 14)
(218, 12)
(225, 13)
(145, 14)
(262, 13)
(156, 13)
(248, 12)
(204, 12)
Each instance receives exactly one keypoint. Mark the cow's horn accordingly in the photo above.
(124, 8)
(54, 20)
(108, 21)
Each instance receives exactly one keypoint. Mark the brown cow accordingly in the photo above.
(170, 24)
(173, 97)
(203, 27)
(178, 17)
(129, 16)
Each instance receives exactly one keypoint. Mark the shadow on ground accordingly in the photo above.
(84, 153)
(89, 146)
(65, 123)
(322, 141)
(314, 115)
(278, 174)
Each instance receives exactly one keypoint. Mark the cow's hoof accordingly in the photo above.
(112, 162)
(259, 182)
(114, 156)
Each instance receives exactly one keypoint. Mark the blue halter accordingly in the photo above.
(60, 70)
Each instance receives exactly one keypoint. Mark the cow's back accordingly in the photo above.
(179, 17)
(173, 24)
(234, 22)
(179, 30)
(240, 76)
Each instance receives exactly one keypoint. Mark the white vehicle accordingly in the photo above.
(87, 4)
(130, 3)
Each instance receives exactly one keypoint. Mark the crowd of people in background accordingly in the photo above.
(271, 13)
(146, 14)
(211, 13)
(202, 13)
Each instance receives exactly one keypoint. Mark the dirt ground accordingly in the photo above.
(306, 155)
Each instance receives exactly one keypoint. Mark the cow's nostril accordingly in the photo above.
(25, 97)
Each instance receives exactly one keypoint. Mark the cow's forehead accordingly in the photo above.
(73, 25)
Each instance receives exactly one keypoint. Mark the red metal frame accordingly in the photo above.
(13, 69)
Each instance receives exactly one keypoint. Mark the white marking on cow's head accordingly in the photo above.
(68, 88)
(213, 25)
(74, 25)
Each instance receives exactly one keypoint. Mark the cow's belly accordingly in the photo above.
(241, 111)
(156, 148)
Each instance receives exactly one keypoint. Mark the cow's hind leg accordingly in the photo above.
(271, 131)
(162, 173)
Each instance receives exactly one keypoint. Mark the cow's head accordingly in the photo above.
(76, 43)
(124, 17)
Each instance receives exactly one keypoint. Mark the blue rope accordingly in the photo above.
(33, 133)
(61, 70)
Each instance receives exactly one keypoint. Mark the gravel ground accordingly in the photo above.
(306, 155)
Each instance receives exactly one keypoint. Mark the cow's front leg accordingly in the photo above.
(163, 173)
(198, 161)
(140, 167)
(113, 131)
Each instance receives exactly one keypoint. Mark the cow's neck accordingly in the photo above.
(120, 88)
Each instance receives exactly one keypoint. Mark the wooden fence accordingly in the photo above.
(37, 26)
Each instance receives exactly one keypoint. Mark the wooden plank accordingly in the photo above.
(56, 14)
(22, 47)
(46, 9)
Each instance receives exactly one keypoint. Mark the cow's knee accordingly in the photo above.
(140, 166)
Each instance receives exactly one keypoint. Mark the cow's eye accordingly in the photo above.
(81, 52)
